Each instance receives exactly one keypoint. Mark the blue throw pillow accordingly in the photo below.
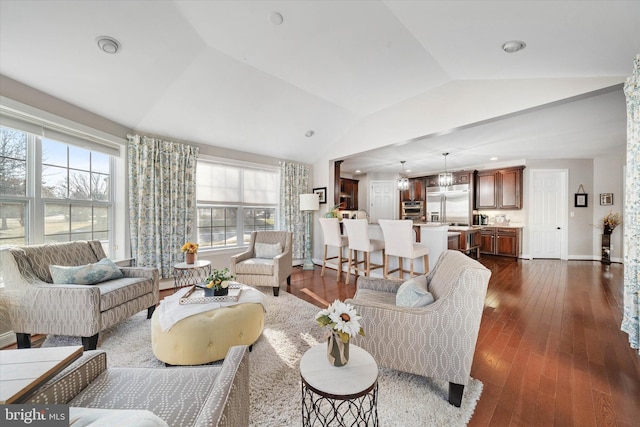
(89, 274)
(414, 293)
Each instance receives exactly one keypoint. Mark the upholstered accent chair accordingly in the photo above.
(38, 306)
(268, 261)
(437, 340)
(216, 395)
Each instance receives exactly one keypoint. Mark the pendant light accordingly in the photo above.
(403, 181)
(445, 179)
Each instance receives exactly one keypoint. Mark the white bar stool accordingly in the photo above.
(398, 242)
(358, 235)
(332, 237)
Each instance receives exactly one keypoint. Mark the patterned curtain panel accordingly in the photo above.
(294, 180)
(162, 200)
(630, 323)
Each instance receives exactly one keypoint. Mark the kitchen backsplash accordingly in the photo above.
(515, 217)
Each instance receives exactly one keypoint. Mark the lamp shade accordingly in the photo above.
(309, 202)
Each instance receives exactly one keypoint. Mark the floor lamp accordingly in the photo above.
(308, 203)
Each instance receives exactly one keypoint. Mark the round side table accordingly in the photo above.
(189, 274)
(344, 396)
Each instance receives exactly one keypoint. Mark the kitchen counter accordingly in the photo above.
(504, 225)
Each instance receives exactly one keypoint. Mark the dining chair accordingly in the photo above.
(359, 241)
(398, 242)
(333, 238)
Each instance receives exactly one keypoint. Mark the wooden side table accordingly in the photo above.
(23, 370)
(189, 274)
(344, 396)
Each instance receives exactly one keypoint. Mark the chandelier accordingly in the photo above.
(403, 181)
(445, 178)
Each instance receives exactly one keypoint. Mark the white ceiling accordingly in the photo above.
(220, 73)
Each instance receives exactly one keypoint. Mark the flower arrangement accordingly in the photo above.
(190, 248)
(219, 279)
(343, 320)
(334, 212)
(611, 221)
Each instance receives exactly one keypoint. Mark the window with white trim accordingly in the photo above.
(232, 201)
(51, 191)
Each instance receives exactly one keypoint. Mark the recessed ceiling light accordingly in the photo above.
(493, 158)
(408, 170)
(513, 46)
(276, 18)
(108, 44)
(357, 170)
(309, 133)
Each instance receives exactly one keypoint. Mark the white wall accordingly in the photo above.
(608, 177)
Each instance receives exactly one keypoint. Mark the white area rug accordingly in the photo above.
(403, 399)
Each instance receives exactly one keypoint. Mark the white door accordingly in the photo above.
(548, 213)
(383, 200)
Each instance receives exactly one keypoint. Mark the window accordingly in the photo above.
(13, 187)
(233, 201)
(72, 201)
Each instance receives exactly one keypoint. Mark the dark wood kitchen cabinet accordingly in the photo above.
(349, 194)
(415, 191)
(499, 189)
(503, 241)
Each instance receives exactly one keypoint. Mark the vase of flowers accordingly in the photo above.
(344, 323)
(190, 250)
(610, 222)
(217, 284)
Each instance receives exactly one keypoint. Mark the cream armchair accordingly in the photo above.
(268, 261)
(437, 340)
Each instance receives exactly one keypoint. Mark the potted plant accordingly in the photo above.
(217, 284)
(190, 249)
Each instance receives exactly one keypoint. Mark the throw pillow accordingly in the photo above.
(414, 293)
(84, 417)
(89, 274)
(267, 250)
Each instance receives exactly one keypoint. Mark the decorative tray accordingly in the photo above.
(195, 295)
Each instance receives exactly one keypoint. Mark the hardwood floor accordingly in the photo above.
(550, 350)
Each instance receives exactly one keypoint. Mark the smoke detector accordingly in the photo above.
(513, 46)
(108, 44)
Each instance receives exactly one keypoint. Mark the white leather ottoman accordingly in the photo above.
(207, 337)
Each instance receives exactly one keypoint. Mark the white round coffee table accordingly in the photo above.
(342, 396)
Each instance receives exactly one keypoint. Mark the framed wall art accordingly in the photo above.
(581, 198)
(322, 194)
(606, 199)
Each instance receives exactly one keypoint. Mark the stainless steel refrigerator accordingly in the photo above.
(449, 205)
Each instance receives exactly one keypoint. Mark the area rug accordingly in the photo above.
(290, 330)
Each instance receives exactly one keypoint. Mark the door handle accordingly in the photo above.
(558, 228)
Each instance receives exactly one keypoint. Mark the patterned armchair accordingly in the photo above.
(268, 261)
(38, 306)
(437, 340)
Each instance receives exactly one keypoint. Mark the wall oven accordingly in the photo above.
(412, 210)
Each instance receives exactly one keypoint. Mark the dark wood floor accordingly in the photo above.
(550, 350)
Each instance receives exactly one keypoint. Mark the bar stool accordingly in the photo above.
(358, 235)
(332, 237)
(398, 242)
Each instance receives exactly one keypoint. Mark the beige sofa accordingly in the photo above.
(40, 307)
(216, 395)
(436, 340)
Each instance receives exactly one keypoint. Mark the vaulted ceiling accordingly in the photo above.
(225, 73)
